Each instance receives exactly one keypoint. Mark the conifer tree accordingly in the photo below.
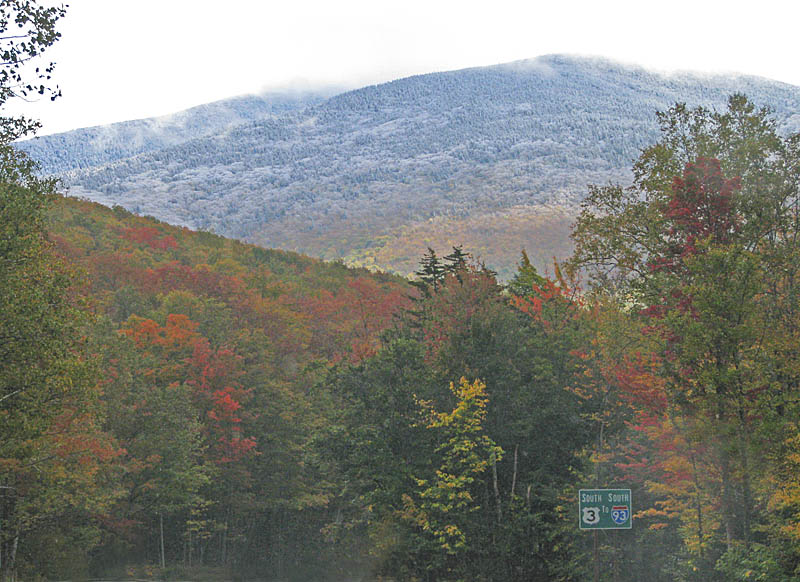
(430, 274)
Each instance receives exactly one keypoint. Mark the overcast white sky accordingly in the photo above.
(127, 59)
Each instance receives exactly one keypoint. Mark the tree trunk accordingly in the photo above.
(496, 491)
(744, 447)
(727, 496)
(9, 574)
(699, 507)
(514, 478)
(161, 527)
(725, 469)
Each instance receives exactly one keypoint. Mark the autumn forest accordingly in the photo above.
(179, 405)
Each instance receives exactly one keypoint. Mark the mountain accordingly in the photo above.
(496, 158)
(103, 144)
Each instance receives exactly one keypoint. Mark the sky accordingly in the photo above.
(129, 59)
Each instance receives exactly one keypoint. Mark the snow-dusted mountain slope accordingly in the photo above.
(353, 174)
(99, 145)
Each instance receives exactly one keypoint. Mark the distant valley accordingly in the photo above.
(495, 158)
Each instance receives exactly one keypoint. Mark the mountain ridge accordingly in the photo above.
(102, 144)
(346, 177)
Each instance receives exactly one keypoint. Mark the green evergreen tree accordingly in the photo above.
(525, 278)
(430, 274)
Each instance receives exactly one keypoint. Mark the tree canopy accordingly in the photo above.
(27, 30)
(702, 250)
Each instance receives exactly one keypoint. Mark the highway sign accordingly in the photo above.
(605, 508)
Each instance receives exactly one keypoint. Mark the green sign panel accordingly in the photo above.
(605, 508)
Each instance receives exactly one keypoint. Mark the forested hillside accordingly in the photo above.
(199, 355)
(422, 161)
(96, 146)
(177, 404)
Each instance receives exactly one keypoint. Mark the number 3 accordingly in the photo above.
(591, 515)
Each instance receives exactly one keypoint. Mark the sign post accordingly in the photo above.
(603, 509)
